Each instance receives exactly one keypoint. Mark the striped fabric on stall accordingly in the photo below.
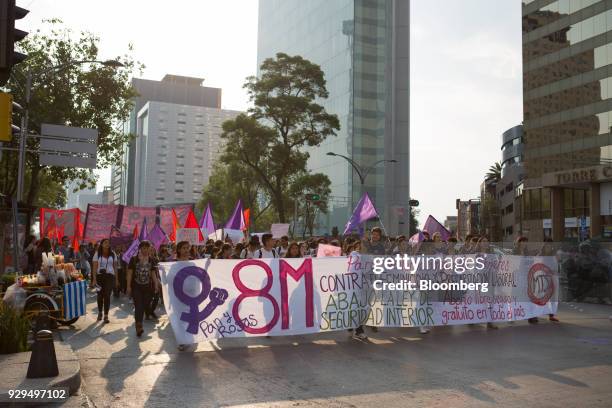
(75, 299)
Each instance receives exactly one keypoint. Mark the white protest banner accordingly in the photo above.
(188, 234)
(211, 299)
(218, 234)
(279, 230)
(234, 235)
(324, 250)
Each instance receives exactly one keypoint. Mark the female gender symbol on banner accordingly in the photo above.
(195, 316)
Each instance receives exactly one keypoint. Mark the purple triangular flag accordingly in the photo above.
(207, 225)
(131, 251)
(363, 211)
(432, 226)
(236, 221)
(416, 238)
(157, 236)
(143, 231)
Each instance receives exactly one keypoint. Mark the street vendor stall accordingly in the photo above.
(58, 288)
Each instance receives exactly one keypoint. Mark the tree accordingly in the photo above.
(284, 119)
(414, 222)
(494, 172)
(310, 184)
(93, 97)
(227, 184)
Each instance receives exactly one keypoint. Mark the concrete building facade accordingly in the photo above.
(172, 89)
(176, 146)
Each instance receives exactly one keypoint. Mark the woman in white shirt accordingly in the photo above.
(104, 275)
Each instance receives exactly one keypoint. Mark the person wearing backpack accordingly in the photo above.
(267, 250)
(104, 276)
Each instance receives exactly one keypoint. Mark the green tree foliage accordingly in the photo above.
(284, 119)
(310, 184)
(227, 184)
(90, 96)
(494, 172)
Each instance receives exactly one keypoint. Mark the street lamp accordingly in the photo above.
(25, 117)
(362, 172)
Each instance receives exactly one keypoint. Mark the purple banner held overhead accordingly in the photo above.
(98, 218)
(131, 251)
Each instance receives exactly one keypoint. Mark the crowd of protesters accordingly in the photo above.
(139, 278)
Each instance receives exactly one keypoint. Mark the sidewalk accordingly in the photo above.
(14, 367)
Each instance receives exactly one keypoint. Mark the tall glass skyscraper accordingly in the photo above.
(567, 93)
(363, 47)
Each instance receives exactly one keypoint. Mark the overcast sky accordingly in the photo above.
(466, 72)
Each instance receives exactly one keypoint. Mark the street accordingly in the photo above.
(518, 365)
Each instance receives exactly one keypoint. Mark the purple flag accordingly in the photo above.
(416, 238)
(207, 226)
(432, 226)
(131, 251)
(143, 231)
(157, 236)
(236, 221)
(363, 211)
(119, 239)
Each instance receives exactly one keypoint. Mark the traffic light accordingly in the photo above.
(6, 117)
(9, 12)
(313, 197)
(413, 203)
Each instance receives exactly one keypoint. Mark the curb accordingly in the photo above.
(16, 366)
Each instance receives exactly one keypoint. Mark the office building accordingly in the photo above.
(172, 89)
(567, 93)
(363, 49)
(176, 146)
(512, 174)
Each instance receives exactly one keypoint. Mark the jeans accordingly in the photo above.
(142, 300)
(106, 281)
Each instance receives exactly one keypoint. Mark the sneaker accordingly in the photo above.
(360, 336)
(423, 330)
(139, 329)
(99, 316)
(106, 319)
(553, 318)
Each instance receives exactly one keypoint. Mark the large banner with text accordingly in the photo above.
(211, 299)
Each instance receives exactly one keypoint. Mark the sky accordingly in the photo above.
(465, 72)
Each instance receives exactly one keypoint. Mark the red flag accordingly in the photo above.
(191, 222)
(175, 226)
(60, 233)
(247, 218)
(135, 233)
(51, 228)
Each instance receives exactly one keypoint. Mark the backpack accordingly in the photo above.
(260, 251)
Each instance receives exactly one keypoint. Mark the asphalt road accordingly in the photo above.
(565, 364)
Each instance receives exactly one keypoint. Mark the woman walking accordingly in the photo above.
(104, 276)
(142, 281)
